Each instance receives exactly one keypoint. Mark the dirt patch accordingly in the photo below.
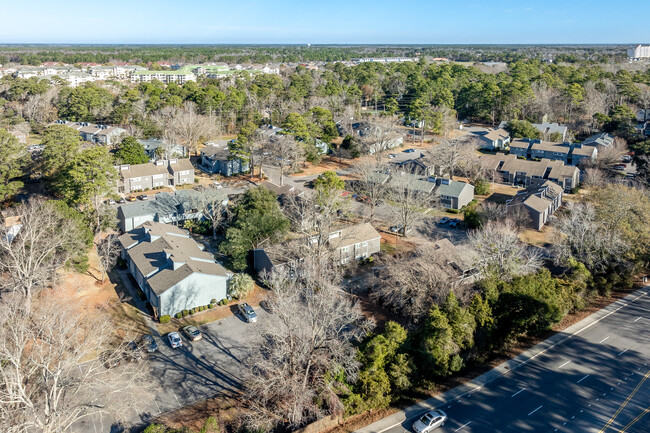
(329, 163)
(223, 408)
(537, 238)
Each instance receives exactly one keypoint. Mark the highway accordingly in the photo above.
(596, 380)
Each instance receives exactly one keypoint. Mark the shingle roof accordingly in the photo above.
(163, 203)
(158, 247)
(548, 146)
(355, 234)
(602, 139)
(496, 134)
(140, 170)
(453, 189)
(180, 165)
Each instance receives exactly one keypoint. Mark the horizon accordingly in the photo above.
(364, 22)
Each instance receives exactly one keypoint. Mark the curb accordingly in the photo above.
(501, 370)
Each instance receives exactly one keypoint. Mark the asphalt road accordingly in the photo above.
(598, 379)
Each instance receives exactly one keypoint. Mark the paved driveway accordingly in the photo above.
(197, 371)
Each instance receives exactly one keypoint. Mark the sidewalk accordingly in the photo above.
(139, 303)
(472, 386)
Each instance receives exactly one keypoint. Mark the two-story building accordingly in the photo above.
(94, 132)
(164, 207)
(215, 158)
(540, 199)
(493, 139)
(514, 171)
(172, 270)
(453, 194)
(161, 173)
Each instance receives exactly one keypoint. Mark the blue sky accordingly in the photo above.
(325, 21)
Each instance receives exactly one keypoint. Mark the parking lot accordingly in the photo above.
(194, 372)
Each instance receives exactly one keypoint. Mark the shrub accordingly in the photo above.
(196, 180)
(213, 301)
(165, 318)
(178, 315)
(481, 187)
(212, 305)
(223, 302)
(185, 313)
(192, 311)
(453, 210)
(240, 285)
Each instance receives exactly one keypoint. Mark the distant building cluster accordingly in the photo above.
(639, 52)
(385, 59)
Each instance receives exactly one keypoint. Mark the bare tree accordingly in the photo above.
(283, 152)
(407, 199)
(449, 154)
(310, 337)
(186, 127)
(583, 237)
(108, 250)
(382, 134)
(211, 203)
(501, 253)
(47, 383)
(44, 241)
(371, 182)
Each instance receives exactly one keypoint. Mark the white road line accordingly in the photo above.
(175, 396)
(565, 364)
(464, 425)
(535, 410)
(603, 339)
(157, 405)
(622, 352)
(639, 318)
(582, 379)
(521, 390)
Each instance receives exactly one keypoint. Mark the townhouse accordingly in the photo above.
(161, 173)
(568, 153)
(94, 132)
(493, 139)
(515, 171)
(540, 199)
(164, 207)
(215, 158)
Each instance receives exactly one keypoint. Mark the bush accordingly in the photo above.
(213, 301)
(212, 305)
(240, 285)
(223, 302)
(481, 187)
(185, 313)
(196, 180)
(178, 315)
(165, 319)
(453, 210)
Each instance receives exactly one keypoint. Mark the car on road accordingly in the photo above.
(143, 197)
(192, 333)
(247, 312)
(175, 340)
(443, 220)
(430, 421)
(110, 359)
(148, 343)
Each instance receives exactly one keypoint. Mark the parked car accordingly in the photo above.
(399, 229)
(131, 199)
(192, 333)
(453, 222)
(133, 352)
(110, 359)
(143, 197)
(247, 312)
(148, 343)
(122, 200)
(620, 166)
(110, 201)
(626, 158)
(409, 150)
(443, 220)
(175, 340)
(430, 421)
(392, 155)
(217, 185)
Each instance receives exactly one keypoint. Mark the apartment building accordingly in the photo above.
(514, 171)
(95, 132)
(541, 199)
(568, 153)
(177, 77)
(140, 177)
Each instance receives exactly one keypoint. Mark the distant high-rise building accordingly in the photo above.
(639, 52)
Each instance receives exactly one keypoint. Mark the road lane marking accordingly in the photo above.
(521, 390)
(622, 352)
(464, 425)
(634, 421)
(640, 317)
(535, 410)
(603, 339)
(627, 400)
(565, 363)
(582, 379)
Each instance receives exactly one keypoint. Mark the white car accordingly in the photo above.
(175, 340)
(430, 421)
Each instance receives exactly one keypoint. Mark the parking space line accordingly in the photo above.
(565, 363)
(603, 339)
(582, 379)
(464, 425)
(535, 410)
(622, 352)
(639, 318)
(521, 390)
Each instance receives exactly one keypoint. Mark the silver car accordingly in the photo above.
(430, 421)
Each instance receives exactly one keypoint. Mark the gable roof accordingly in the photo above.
(602, 139)
(354, 234)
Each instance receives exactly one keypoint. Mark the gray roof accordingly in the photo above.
(163, 203)
(355, 234)
(538, 196)
(453, 189)
(157, 248)
(550, 128)
(602, 139)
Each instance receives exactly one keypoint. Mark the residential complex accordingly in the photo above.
(540, 199)
(215, 158)
(515, 171)
(158, 174)
(172, 269)
(94, 132)
(568, 153)
(639, 52)
(164, 207)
